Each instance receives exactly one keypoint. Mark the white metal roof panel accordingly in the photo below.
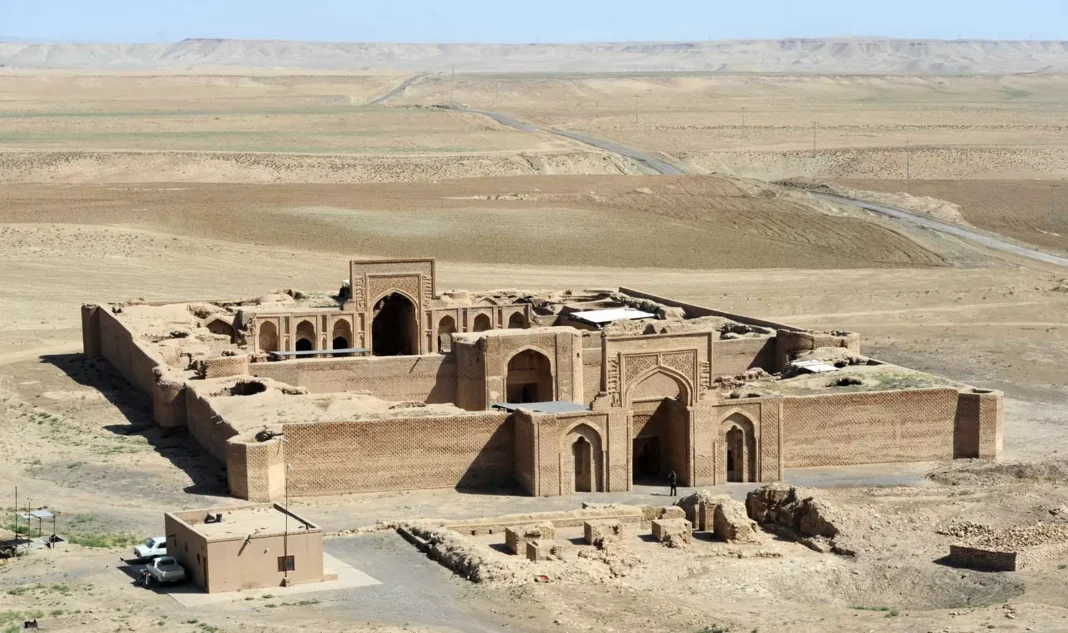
(814, 366)
(598, 317)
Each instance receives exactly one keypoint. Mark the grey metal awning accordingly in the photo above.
(557, 406)
(319, 352)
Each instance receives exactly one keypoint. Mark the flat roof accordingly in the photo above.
(598, 317)
(557, 406)
(245, 521)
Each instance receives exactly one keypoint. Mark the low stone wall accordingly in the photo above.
(734, 356)
(981, 559)
(629, 515)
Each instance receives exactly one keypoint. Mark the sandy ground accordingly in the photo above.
(76, 437)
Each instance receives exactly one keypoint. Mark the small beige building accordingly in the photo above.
(245, 547)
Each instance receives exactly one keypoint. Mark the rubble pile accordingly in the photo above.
(796, 513)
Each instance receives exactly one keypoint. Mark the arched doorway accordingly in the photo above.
(481, 324)
(268, 337)
(583, 461)
(530, 378)
(341, 337)
(305, 337)
(737, 452)
(735, 455)
(582, 453)
(394, 328)
(446, 328)
(516, 321)
(655, 400)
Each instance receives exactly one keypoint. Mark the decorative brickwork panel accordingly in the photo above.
(683, 362)
(612, 385)
(359, 292)
(400, 454)
(636, 365)
(382, 285)
(867, 428)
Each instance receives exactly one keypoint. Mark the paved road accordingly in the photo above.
(396, 91)
(655, 164)
(950, 229)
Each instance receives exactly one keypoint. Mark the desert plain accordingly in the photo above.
(174, 184)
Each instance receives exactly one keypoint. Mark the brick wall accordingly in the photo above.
(525, 475)
(591, 373)
(430, 378)
(256, 471)
(223, 366)
(869, 428)
(734, 356)
(124, 354)
(400, 454)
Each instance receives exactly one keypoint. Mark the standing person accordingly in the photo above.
(673, 480)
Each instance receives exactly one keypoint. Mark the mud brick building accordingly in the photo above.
(391, 385)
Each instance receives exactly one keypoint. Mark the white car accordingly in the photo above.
(152, 548)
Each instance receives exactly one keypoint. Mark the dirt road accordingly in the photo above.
(945, 227)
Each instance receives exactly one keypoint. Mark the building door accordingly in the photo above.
(582, 452)
(735, 455)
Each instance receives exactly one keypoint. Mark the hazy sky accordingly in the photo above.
(527, 20)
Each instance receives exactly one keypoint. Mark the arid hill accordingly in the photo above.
(794, 56)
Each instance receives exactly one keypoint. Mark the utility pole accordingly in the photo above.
(743, 116)
(1052, 205)
(813, 136)
(908, 162)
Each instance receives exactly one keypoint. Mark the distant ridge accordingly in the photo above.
(794, 56)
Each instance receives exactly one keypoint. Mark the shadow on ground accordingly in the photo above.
(181, 450)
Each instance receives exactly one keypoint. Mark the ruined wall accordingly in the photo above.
(869, 428)
(223, 366)
(400, 454)
(693, 311)
(120, 349)
(734, 356)
(207, 426)
(256, 471)
(789, 343)
(979, 428)
(430, 379)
